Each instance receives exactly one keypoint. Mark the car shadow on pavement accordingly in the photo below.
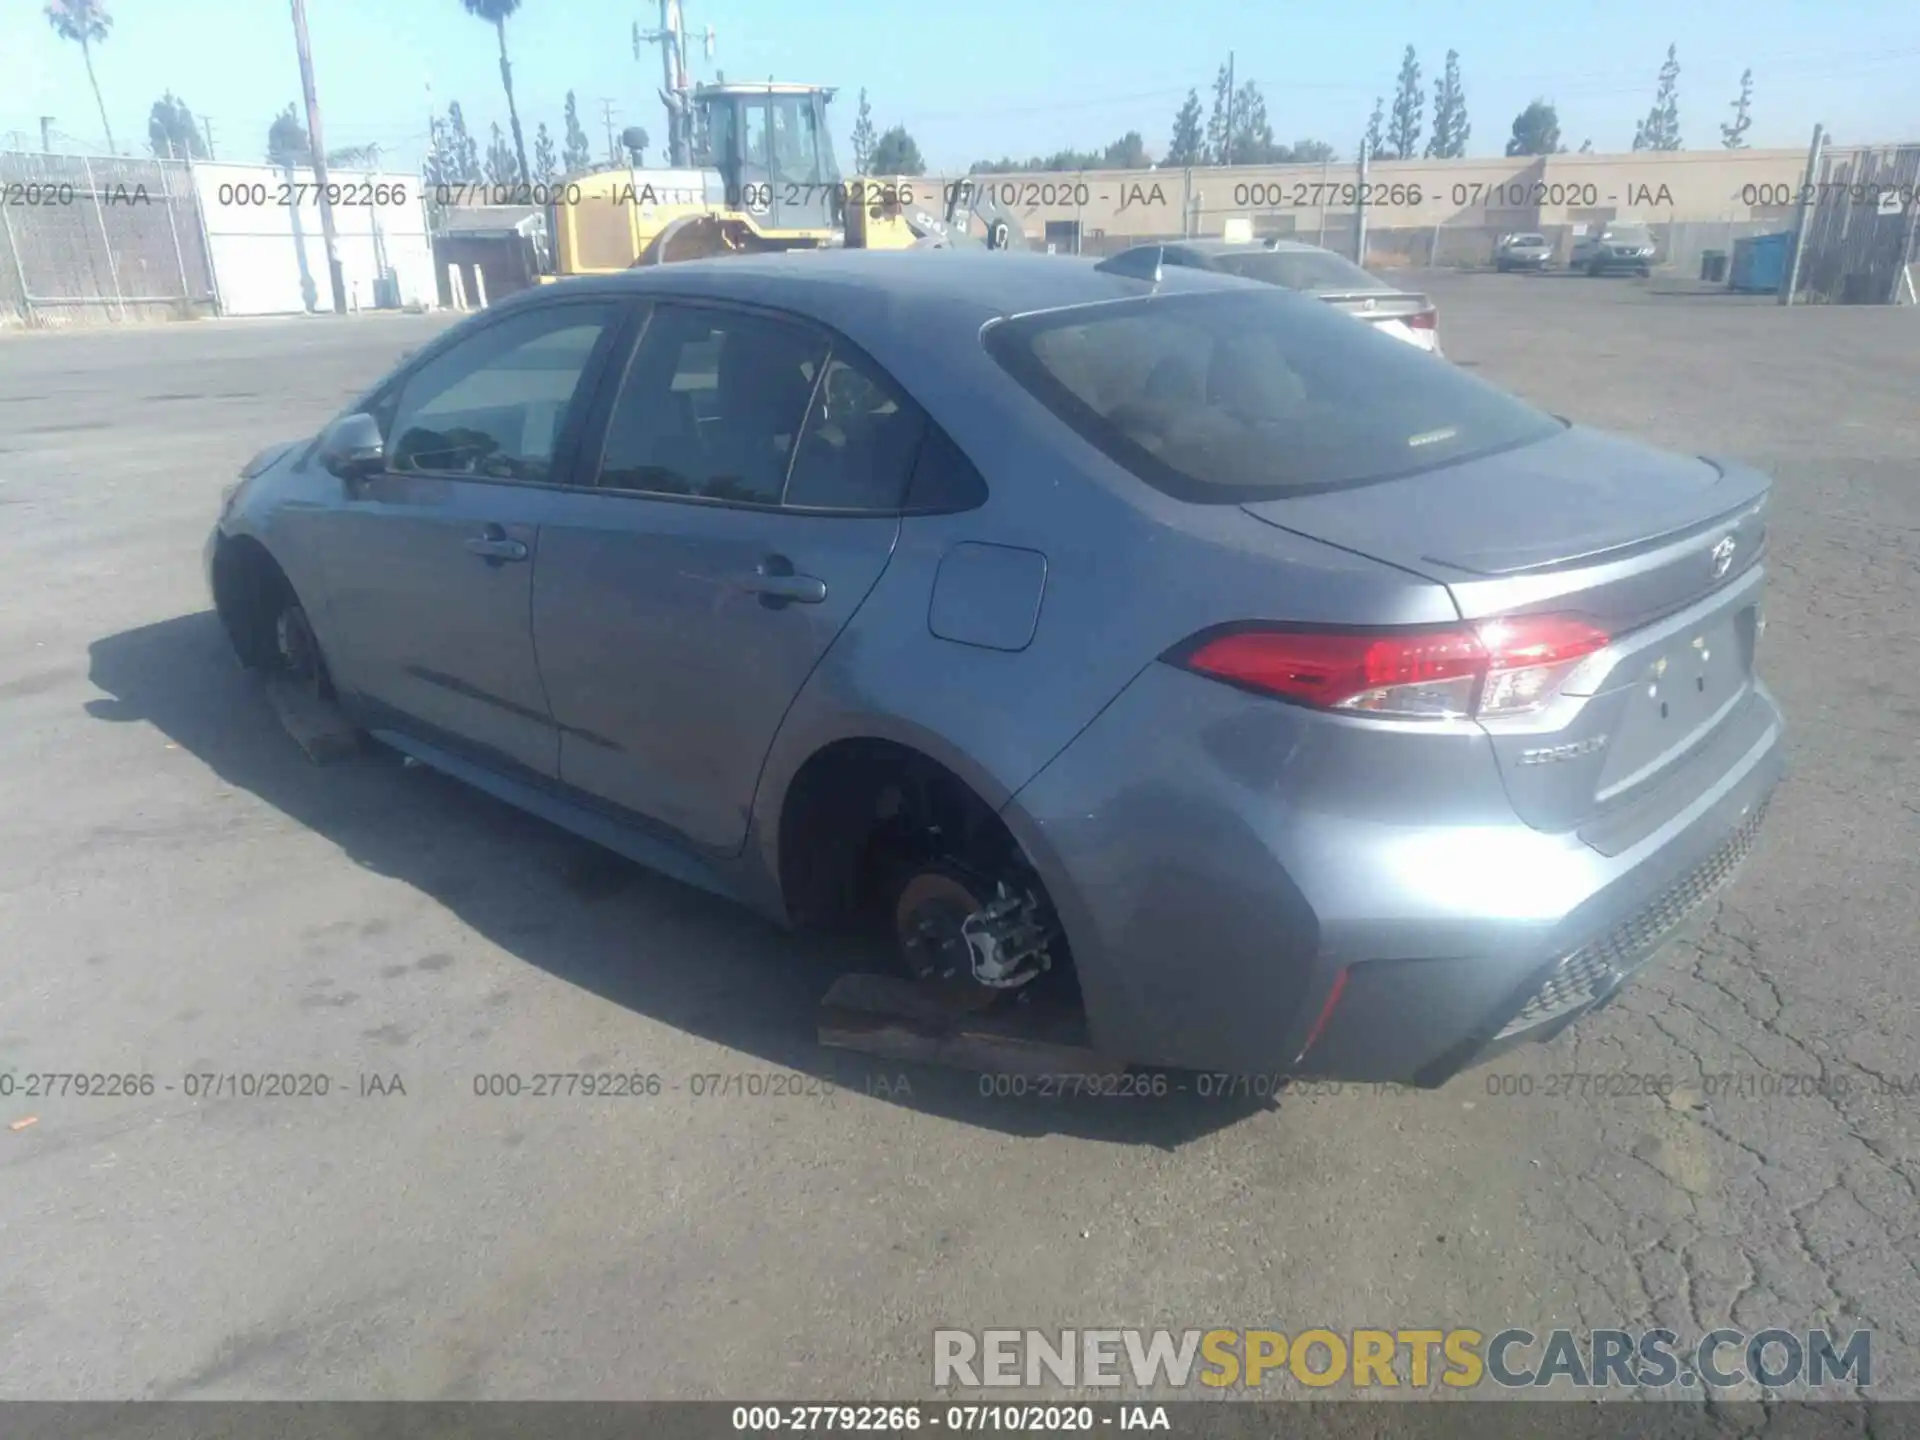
(584, 914)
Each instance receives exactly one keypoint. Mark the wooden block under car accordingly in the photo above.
(896, 1019)
(318, 726)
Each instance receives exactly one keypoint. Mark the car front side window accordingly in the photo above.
(495, 405)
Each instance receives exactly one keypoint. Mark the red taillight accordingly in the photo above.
(1498, 667)
(1425, 320)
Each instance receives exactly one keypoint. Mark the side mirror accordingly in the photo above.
(353, 448)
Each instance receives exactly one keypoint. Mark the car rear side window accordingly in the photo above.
(858, 447)
(1225, 398)
(494, 405)
(712, 404)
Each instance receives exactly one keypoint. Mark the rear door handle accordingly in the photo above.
(493, 544)
(777, 585)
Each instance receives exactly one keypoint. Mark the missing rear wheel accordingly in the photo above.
(929, 931)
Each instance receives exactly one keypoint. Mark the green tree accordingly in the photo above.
(1450, 127)
(1188, 146)
(1375, 139)
(1586, 147)
(1733, 133)
(895, 153)
(1252, 134)
(1311, 152)
(1536, 130)
(1661, 129)
(1129, 152)
(86, 23)
(495, 13)
(173, 132)
(1218, 140)
(1409, 105)
(863, 135)
(502, 164)
(576, 153)
(463, 151)
(289, 148)
(287, 140)
(546, 164)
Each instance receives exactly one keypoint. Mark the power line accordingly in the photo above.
(1564, 83)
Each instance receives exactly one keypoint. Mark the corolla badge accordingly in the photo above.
(1723, 556)
(1553, 754)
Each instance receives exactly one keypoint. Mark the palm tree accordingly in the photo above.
(495, 13)
(85, 21)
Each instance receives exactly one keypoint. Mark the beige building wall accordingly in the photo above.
(1741, 189)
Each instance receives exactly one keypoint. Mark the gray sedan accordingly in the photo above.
(1287, 699)
(1404, 314)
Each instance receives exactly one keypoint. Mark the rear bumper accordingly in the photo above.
(1243, 894)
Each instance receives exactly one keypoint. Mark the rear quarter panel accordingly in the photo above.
(1129, 573)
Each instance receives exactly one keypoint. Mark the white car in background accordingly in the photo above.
(1529, 250)
(1294, 265)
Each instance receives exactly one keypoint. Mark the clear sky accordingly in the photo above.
(983, 78)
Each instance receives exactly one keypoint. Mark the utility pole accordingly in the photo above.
(1360, 209)
(208, 125)
(318, 147)
(46, 134)
(1790, 281)
(671, 37)
(1227, 141)
(613, 151)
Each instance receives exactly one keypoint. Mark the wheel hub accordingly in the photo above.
(928, 923)
(293, 638)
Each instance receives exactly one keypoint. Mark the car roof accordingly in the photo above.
(855, 290)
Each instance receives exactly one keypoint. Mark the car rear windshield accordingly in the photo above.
(1231, 396)
(1629, 235)
(1298, 269)
(1528, 240)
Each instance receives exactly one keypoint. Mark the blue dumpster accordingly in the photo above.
(1760, 262)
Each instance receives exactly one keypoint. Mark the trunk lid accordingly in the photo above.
(1662, 550)
(1376, 305)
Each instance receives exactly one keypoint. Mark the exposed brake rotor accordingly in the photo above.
(928, 927)
(966, 941)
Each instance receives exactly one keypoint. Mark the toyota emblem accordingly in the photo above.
(1723, 556)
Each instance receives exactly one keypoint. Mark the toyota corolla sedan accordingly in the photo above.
(1298, 702)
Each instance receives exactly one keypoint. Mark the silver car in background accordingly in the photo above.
(1290, 700)
(1294, 265)
(1529, 251)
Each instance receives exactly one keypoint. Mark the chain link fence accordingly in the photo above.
(1861, 227)
(87, 240)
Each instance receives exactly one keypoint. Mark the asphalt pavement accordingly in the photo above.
(182, 894)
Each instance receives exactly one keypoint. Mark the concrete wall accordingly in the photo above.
(263, 233)
(1469, 202)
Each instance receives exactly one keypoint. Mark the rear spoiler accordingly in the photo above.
(1338, 297)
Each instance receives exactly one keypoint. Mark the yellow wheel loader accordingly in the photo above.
(761, 177)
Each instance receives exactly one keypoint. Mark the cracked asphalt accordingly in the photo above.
(181, 893)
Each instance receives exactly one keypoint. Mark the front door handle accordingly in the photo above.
(775, 582)
(493, 544)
